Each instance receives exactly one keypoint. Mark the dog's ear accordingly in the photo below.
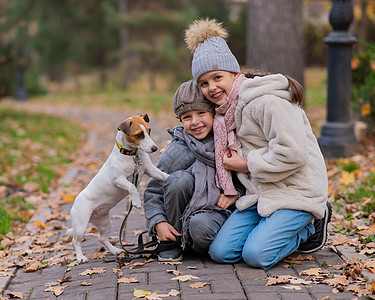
(146, 118)
(125, 127)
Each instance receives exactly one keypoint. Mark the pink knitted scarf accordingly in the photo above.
(225, 137)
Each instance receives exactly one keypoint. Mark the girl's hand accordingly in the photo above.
(226, 201)
(234, 162)
(166, 232)
(165, 147)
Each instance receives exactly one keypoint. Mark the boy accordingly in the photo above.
(188, 204)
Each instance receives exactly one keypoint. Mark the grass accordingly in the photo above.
(140, 101)
(316, 86)
(14, 209)
(33, 148)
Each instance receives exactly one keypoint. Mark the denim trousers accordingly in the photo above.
(203, 227)
(261, 241)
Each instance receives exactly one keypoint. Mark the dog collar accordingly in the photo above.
(126, 151)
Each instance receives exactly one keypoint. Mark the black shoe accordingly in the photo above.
(318, 239)
(171, 255)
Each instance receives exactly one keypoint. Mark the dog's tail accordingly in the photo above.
(70, 232)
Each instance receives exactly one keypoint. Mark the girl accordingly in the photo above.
(277, 158)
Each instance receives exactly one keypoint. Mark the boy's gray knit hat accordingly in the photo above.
(206, 39)
(190, 97)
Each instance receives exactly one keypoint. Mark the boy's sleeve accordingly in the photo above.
(177, 156)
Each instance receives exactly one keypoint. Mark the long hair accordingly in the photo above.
(296, 88)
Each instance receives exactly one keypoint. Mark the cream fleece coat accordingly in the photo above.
(287, 168)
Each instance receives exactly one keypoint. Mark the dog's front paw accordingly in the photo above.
(137, 203)
(82, 258)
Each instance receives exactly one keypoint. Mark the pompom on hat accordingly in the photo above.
(206, 40)
(190, 97)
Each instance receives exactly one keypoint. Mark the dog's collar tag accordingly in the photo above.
(126, 151)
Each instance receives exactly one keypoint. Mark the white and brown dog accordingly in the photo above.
(114, 182)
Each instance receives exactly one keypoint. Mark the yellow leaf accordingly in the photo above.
(365, 109)
(92, 166)
(141, 293)
(68, 198)
(346, 178)
(38, 223)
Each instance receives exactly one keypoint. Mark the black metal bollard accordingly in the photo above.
(21, 93)
(337, 137)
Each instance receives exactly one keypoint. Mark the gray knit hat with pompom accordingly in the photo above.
(206, 40)
(190, 97)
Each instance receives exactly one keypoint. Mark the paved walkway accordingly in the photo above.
(236, 281)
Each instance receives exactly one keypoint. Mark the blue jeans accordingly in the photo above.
(261, 242)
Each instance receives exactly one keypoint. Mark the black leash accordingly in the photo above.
(152, 247)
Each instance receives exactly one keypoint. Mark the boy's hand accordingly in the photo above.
(226, 201)
(234, 162)
(166, 232)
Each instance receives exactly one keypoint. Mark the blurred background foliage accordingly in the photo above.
(126, 45)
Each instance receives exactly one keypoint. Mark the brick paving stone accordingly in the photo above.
(295, 296)
(103, 294)
(264, 296)
(222, 296)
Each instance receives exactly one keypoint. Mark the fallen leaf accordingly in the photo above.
(128, 280)
(346, 178)
(184, 278)
(140, 264)
(175, 272)
(141, 293)
(57, 291)
(292, 287)
(356, 288)
(370, 264)
(38, 223)
(174, 293)
(153, 296)
(314, 272)
(84, 283)
(68, 198)
(15, 294)
(94, 270)
(198, 285)
(65, 279)
(336, 281)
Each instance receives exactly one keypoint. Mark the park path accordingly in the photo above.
(237, 281)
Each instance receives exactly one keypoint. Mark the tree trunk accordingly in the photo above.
(362, 27)
(275, 37)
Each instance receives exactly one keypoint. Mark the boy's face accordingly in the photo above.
(198, 123)
(216, 85)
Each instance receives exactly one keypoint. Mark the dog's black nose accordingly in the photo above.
(154, 148)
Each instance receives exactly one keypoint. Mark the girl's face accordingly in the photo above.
(198, 123)
(216, 85)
